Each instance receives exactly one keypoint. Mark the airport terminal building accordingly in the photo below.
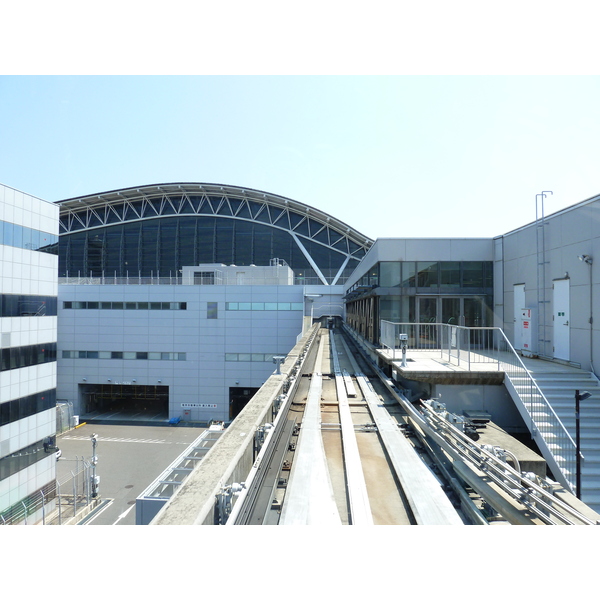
(164, 310)
(174, 299)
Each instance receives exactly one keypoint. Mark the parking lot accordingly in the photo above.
(130, 458)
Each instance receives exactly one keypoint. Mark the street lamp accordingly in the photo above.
(578, 398)
(95, 479)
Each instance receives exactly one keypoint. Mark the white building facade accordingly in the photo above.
(549, 285)
(28, 335)
(193, 352)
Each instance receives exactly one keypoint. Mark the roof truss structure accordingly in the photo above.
(159, 201)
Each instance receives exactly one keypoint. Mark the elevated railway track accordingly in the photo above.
(332, 441)
(346, 450)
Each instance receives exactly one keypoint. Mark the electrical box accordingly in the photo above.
(528, 331)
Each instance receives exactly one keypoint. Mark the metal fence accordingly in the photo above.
(73, 493)
(488, 348)
(179, 280)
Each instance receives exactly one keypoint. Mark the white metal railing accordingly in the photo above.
(479, 348)
(177, 280)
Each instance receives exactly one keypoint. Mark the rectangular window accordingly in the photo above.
(141, 355)
(450, 274)
(116, 355)
(409, 274)
(258, 306)
(212, 310)
(231, 357)
(204, 278)
(427, 275)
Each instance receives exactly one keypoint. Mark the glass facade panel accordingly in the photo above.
(427, 274)
(409, 274)
(390, 274)
(450, 274)
(473, 275)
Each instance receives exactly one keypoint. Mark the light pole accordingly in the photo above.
(578, 398)
(95, 480)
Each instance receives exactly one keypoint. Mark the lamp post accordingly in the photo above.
(578, 398)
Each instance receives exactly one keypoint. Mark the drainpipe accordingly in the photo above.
(588, 261)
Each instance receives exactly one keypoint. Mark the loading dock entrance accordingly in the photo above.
(238, 398)
(125, 401)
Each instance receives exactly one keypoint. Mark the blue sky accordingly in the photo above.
(392, 156)
(404, 119)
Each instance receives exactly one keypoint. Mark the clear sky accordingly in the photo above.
(407, 155)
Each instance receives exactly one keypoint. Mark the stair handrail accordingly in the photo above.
(389, 338)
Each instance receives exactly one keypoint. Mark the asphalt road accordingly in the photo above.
(130, 458)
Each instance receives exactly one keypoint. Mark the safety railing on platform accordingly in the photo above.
(157, 279)
(478, 348)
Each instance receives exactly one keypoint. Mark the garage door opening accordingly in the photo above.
(238, 398)
(131, 403)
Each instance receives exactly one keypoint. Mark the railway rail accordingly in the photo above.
(346, 448)
(336, 454)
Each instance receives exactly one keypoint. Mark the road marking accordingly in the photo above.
(129, 440)
(123, 515)
(105, 504)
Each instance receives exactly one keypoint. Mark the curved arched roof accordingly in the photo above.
(142, 203)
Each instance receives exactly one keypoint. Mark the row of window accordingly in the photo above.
(247, 357)
(124, 355)
(21, 459)
(126, 305)
(421, 274)
(18, 236)
(27, 356)
(264, 306)
(21, 305)
(20, 408)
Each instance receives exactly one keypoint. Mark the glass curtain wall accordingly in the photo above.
(162, 246)
(454, 292)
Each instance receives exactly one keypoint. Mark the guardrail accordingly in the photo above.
(524, 488)
(478, 348)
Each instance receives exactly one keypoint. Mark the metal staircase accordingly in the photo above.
(558, 388)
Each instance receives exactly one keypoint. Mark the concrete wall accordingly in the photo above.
(493, 399)
(231, 458)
